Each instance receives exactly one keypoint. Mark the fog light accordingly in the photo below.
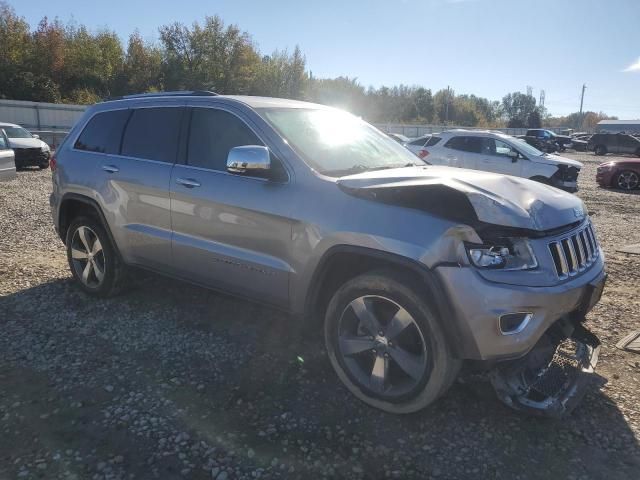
(511, 323)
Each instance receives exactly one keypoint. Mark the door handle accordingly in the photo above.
(110, 168)
(188, 182)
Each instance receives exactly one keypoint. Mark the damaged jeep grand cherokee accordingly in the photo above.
(411, 268)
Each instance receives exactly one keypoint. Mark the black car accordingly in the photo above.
(547, 138)
(603, 143)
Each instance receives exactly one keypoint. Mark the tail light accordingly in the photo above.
(52, 161)
(423, 153)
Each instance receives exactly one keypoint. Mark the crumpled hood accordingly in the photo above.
(553, 159)
(26, 143)
(496, 199)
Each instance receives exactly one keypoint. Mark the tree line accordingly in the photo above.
(68, 63)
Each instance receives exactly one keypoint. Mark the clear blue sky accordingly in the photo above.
(485, 47)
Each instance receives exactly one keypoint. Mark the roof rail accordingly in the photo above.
(177, 93)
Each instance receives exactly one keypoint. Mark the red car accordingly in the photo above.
(623, 174)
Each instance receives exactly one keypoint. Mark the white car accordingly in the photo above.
(499, 153)
(28, 148)
(7, 163)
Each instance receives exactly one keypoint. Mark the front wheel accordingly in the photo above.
(385, 342)
(600, 150)
(627, 180)
(93, 260)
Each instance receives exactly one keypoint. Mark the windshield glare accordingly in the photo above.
(336, 143)
(17, 132)
(525, 148)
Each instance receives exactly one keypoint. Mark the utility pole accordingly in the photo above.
(584, 86)
(446, 108)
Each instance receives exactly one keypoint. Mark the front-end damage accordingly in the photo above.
(554, 376)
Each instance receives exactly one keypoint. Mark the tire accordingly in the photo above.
(600, 150)
(98, 269)
(42, 166)
(411, 341)
(626, 180)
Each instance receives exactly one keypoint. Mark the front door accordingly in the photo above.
(495, 157)
(230, 231)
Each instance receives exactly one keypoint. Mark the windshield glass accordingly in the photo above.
(17, 132)
(525, 148)
(337, 143)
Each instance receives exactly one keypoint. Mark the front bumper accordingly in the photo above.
(604, 177)
(477, 305)
(31, 157)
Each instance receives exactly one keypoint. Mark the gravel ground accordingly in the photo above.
(173, 381)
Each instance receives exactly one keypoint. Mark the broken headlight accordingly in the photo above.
(503, 254)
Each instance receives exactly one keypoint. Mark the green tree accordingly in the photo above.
(517, 107)
(281, 75)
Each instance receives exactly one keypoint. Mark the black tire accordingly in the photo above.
(42, 166)
(626, 180)
(389, 292)
(107, 260)
(600, 150)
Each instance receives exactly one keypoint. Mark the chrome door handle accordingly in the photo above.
(188, 182)
(110, 168)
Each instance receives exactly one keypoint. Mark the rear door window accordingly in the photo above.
(103, 133)
(152, 134)
(466, 144)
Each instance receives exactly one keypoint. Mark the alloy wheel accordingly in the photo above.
(628, 180)
(382, 346)
(87, 257)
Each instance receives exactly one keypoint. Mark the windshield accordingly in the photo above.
(525, 148)
(336, 143)
(17, 132)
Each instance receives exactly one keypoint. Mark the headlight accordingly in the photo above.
(606, 166)
(505, 254)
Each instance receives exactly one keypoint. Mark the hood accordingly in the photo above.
(553, 159)
(470, 196)
(26, 143)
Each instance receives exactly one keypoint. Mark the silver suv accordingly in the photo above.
(410, 268)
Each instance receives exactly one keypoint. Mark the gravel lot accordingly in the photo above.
(173, 381)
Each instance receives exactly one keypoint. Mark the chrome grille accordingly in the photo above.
(575, 252)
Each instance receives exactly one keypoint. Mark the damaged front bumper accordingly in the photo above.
(554, 376)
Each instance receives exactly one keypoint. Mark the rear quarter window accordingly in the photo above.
(103, 132)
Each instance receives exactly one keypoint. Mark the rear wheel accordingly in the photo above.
(93, 260)
(600, 150)
(627, 180)
(386, 345)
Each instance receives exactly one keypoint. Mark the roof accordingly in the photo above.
(8, 125)
(619, 122)
(270, 102)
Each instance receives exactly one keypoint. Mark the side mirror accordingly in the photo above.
(251, 159)
(513, 155)
(35, 136)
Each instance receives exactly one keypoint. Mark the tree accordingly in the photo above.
(208, 57)
(517, 107)
(142, 69)
(534, 120)
(281, 75)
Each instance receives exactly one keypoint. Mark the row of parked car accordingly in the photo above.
(530, 156)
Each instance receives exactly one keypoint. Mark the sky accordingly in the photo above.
(484, 47)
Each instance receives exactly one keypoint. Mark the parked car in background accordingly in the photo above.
(547, 141)
(622, 174)
(404, 269)
(401, 139)
(500, 153)
(603, 143)
(28, 148)
(7, 163)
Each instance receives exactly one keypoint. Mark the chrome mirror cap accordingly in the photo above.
(248, 158)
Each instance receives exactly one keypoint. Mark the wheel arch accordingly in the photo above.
(73, 205)
(344, 262)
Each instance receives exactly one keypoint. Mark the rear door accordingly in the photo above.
(628, 144)
(462, 151)
(230, 231)
(7, 159)
(131, 152)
